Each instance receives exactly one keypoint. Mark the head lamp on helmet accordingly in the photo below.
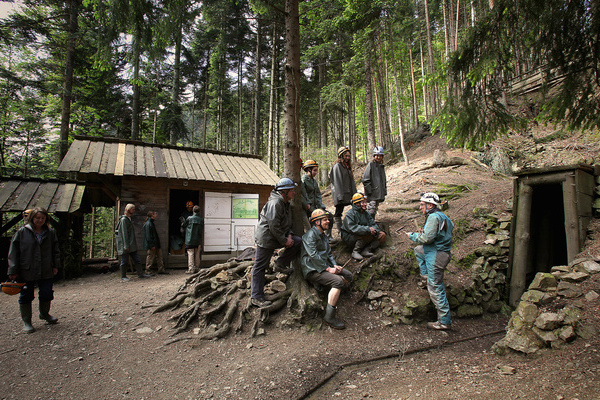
(430, 198)
(309, 164)
(284, 184)
(342, 150)
(357, 198)
(378, 151)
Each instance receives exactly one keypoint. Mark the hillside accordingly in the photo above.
(108, 344)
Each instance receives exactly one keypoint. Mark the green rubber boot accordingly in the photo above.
(26, 317)
(45, 313)
(330, 318)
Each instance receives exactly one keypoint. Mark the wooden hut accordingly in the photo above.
(229, 188)
(551, 211)
(65, 201)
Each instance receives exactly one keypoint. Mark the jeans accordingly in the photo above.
(433, 265)
(45, 292)
(261, 262)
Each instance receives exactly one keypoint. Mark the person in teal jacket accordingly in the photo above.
(359, 230)
(433, 255)
(194, 227)
(319, 266)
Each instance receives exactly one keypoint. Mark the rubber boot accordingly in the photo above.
(26, 317)
(45, 313)
(370, 249)
(140, 272)
(360, 244)
(330, 318)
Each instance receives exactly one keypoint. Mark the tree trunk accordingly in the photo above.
(431, 70)
(413, 89)
(271, 131)
(176, 81)
(369, 101)
(257, 90)
(398, 106)
(65, 118)
(135, 102)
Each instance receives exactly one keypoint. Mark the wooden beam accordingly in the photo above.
(522, 240)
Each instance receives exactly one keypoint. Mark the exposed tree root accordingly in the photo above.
(217, 301)
(440, 160)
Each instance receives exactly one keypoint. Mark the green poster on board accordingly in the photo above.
(244, 208)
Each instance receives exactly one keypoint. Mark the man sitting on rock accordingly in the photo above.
(319, 266)
(359, 230)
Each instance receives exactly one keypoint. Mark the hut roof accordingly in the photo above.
(105, 156)
(17, 195)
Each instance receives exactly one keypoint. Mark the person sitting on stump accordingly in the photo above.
(359, 230)
(433, 255)
(319, 266)
(274, 231)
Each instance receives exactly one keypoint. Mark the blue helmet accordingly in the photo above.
(285, 183)
(378, 151)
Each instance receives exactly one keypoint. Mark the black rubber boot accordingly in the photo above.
(26, 317)
(330, 318)
(140, 272)
(45, 313)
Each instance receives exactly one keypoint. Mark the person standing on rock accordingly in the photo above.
(342, 184)
(127, 244)
(193, 226)
(359, 230)
(374, 181)
(319, 266)
(274, 231)
(34, 258)
(433, 255)
(151, 243)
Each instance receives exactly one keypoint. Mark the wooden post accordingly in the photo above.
(571, 218)
(522, 238)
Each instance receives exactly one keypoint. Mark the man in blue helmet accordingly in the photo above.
(374, 181)
(274, 231)
(433, 255)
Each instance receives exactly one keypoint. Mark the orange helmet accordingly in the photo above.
(357, 198)
(12, 287)
(189, 204)
(310, 164)
(318, 214)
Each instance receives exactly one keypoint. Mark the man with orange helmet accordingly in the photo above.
(319, 266)
(359, 230)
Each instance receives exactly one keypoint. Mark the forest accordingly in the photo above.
(212, 74)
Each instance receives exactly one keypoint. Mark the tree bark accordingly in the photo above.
(369, 101)
(65, 118)
(257, 90)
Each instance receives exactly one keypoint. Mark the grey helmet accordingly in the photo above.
(284, 184)
(378, 151)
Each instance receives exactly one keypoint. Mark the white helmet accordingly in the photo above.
(430, 198)
(378, 151)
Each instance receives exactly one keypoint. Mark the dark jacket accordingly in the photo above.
(374, 181)
(275, 223)
(311, 194)
(315, 253)
(126, 242)
(150, 237)
(30, 259)
(357, 223)
(342, 184)
(194, 227)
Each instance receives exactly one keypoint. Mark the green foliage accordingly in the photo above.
(103, 234)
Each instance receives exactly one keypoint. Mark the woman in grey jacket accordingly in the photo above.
(34, 258)
(342, 184)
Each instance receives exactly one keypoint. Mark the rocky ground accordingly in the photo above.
(108, 344)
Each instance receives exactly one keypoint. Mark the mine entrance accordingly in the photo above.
(548, 235)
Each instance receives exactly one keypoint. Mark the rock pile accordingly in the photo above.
(549, 312)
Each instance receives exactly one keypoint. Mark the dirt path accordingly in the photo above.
(98, 351)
